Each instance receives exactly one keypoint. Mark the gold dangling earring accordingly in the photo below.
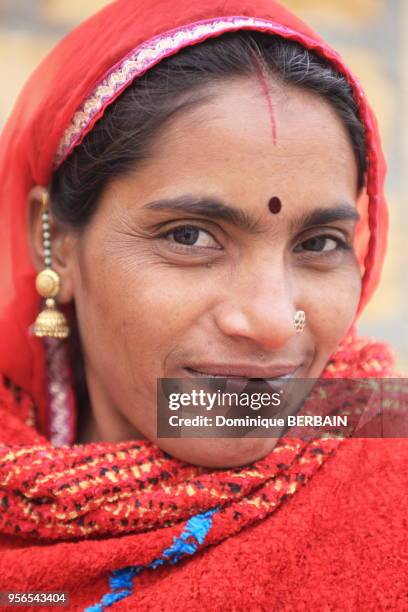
(50, 323)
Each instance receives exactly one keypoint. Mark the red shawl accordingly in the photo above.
(125, 525)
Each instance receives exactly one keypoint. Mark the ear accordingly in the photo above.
(63, 243)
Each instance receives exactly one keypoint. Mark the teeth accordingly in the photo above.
(235, 386)
(238, 384)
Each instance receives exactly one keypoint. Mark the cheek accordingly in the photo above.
(140, 310)
(331, 305)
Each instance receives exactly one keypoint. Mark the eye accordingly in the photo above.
(322, 244)
(191, 236)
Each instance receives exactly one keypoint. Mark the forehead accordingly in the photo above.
(224, 146)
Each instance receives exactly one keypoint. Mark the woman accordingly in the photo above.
(225, 148)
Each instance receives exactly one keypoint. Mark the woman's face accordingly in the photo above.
(184, 269)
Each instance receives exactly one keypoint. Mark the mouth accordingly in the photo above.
(245, 377)
(245, 372)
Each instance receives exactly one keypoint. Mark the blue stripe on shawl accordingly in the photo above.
(121, 581)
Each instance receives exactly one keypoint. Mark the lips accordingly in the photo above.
(245, 371)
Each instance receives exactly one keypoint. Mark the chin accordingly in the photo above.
(218, 452)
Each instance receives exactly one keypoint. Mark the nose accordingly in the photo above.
(260, 308)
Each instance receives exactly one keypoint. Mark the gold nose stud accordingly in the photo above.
(299, 321)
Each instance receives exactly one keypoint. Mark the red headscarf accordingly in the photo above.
(69, 92)
(60, 508)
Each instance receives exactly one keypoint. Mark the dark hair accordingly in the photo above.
(121, 138)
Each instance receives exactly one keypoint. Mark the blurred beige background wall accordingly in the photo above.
(372, 35)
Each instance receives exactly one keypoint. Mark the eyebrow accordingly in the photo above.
(218, 210)
(322, 216)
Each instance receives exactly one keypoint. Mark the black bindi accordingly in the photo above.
(275, 205)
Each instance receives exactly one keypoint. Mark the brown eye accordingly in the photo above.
(320, 244)
(188, 234)
(191, 235)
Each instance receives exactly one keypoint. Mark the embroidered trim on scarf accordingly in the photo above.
(146, 55)
(61, 401)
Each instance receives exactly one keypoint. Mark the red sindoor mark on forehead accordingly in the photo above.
(264, 82)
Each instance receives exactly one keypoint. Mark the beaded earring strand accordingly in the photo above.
(51, 322)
